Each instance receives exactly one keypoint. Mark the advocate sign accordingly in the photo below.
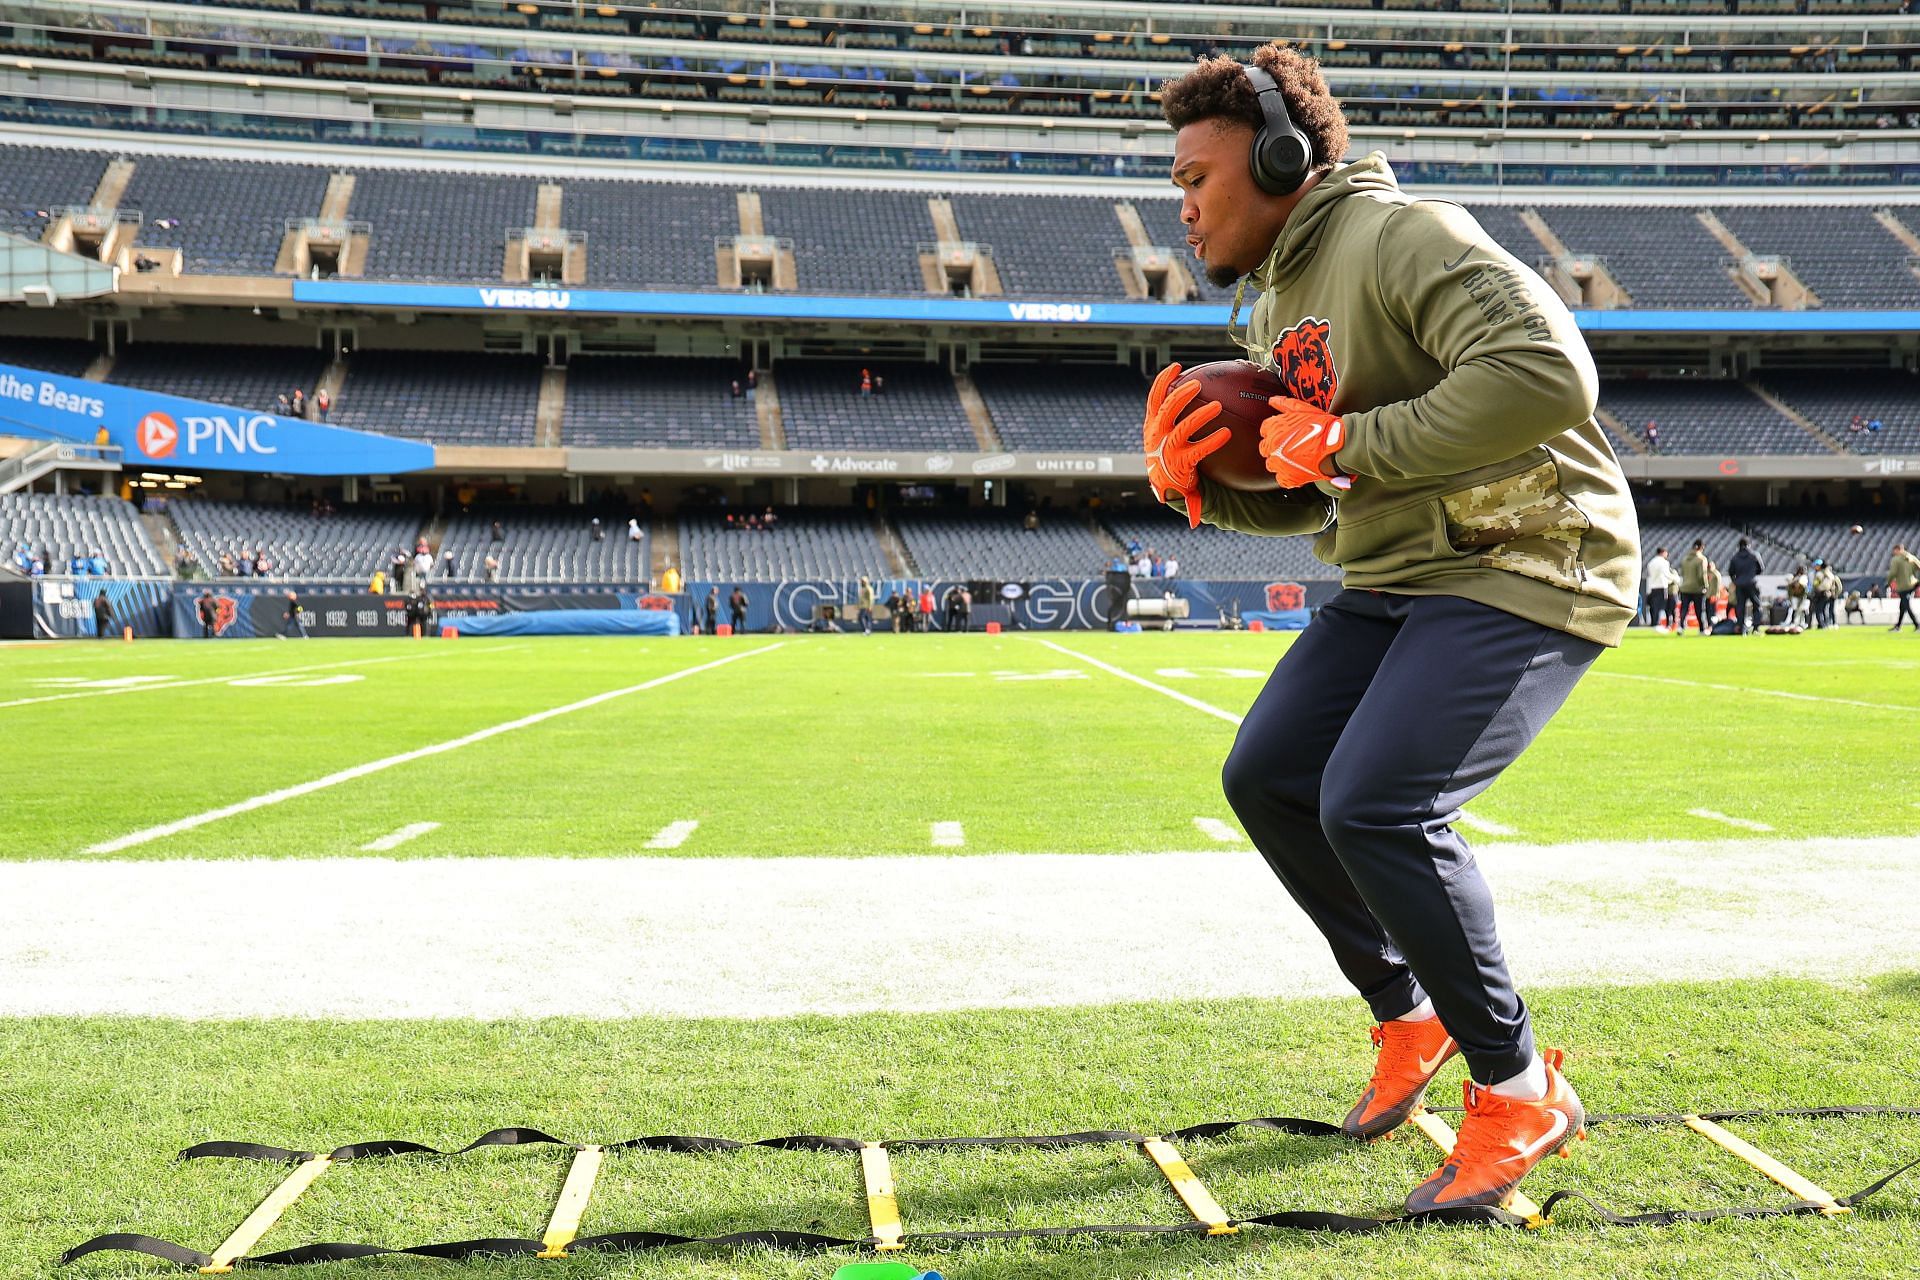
(152, 429)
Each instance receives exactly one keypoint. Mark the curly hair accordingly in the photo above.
(1218, 89)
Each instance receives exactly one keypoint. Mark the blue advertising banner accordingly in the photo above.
(156, 430)
(1004, 311)
(64, 608)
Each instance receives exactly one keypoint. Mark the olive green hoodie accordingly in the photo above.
(1468, 397)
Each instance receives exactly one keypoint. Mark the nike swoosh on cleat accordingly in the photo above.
(1540, 1145)
(1430, 1065)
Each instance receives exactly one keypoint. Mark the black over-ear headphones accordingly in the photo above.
(1281, 156)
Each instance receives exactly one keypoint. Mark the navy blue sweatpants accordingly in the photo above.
(1388, 714)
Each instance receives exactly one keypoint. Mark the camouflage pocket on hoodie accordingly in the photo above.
(1521, 523)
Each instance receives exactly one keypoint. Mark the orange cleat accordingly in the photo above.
(1500, 1141)
(1410, 1054)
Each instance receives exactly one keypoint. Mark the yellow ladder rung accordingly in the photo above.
(1192, 1192)
(261, 1220)
(572, 1204)
(883, 1208)
(1441, 1134)
(1797, 1183)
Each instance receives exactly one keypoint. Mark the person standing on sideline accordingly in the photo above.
(296, 619)
(1799, 609)
(1903, 571)
(1826, 589)
(865, 600)
(209, 610)
(712, 608)
(102, 615)
(1745, 570)
(1660, 579)
(965, 601)
(1693, 588)
(737, 610)
(1437, 432)
(926, 608)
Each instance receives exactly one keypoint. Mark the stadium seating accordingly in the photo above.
(231, 214)
(851, 241)
(246, 378)
(1064, 407)
(64, 526)
(658, 402)
(1045, 245)
(1705, 416)
(1805, 536)
(989, 543)
(546, 544)
(440, 226)
(823, 409)
(1834, 403)
(832, 543)
(657, 235)
(451, 397)
(67, 356)
(1208, 552)
(349, 543)
(36, 179)
(1662, 257)
(1839, 251)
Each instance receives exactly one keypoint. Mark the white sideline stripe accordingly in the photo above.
(1486, 826)
(405, 757)
(1175, 694)
(242, 675)
(452, 938)
(949, 835)
(674, 834)
(1770, 693)
(1219, 831)
(399, 837)
(1714, 815)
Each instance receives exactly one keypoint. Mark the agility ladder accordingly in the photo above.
(562, 1238)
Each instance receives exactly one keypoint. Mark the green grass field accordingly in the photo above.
(850, 747)
(845, 746)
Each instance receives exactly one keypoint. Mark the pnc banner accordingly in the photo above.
(156, 430)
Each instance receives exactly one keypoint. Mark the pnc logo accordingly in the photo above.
(157, 435)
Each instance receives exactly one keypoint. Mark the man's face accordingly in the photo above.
(1231, 224)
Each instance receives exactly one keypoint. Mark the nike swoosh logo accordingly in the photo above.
(1450, 266)
(1430, 1065)
(1533, 1149)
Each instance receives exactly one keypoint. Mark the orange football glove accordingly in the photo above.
(1173, 455)
(1299, 440)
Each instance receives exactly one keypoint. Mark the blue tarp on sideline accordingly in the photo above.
(573, 622)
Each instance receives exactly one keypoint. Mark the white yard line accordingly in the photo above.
(1766, 693)
(949, 835)
(1486, 826)
(1144, 683)
(1215, 829)
(674, 834)
(405, 757)
(240, 675)
(1714, 815)
(398, 838)
(675, 936)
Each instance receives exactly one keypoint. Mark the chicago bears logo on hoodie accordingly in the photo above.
(1303, 359)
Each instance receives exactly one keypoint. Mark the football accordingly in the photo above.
(1241, 389)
